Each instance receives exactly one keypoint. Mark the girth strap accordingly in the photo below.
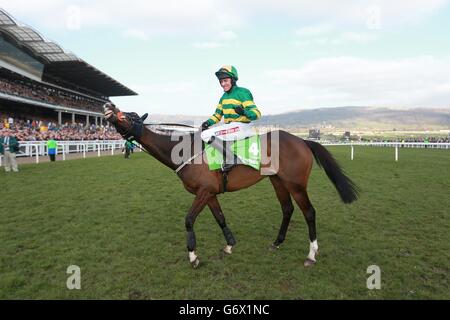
(225, 180)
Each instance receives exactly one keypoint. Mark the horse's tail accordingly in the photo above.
(346, 188)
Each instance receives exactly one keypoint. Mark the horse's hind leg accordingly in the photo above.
(286, 207)
(301, 197)
(214, 205)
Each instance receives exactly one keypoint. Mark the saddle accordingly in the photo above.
(246, 151)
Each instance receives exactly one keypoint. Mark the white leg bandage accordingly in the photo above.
(192, 256)
(227, 249)
(313, 248)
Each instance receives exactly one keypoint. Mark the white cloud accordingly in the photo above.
(171, 16)
(73, 18)
(181, 97)
(225, 38)
(327, 34)
(348, 11)
(209, 45)
(315, 30)
(153, 17)
(217, 24)
(163, 88)
(355, 81)
(339, 81)
(356, 37)
(227, 35)
(136, 34)
(350, 37)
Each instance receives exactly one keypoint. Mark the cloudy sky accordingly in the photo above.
(292, 54)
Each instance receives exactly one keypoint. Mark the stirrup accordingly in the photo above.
(227, 167)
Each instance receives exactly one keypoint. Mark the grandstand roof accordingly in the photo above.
(59, 63)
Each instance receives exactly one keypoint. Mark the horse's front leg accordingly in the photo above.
(214, 206)
(199, 203)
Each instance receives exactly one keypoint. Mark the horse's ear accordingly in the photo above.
(108, 105)
(144, 117)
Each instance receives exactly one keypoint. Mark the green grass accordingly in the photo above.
(122, 222)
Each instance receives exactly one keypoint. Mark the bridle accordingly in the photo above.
(136, 125)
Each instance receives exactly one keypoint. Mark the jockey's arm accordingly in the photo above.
(252, 113)
(216, 116)
(250, 109)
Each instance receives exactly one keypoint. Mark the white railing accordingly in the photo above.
(395, 145)
(427, 145)
(39, 148)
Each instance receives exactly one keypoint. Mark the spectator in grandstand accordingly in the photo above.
(37, 91)
(39, 131)
(8, 148)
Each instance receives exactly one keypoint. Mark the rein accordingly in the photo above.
(170, 124)
(137, 127)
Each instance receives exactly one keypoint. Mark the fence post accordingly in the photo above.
(396, 153)
(37, 153)
(84, 150)
(98, 150)
(352, 152)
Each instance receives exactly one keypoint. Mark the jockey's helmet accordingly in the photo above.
(227, 72)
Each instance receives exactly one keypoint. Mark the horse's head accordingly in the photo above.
(128, 124)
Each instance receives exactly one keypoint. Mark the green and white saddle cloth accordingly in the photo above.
(248, 151)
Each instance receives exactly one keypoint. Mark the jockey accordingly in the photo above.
(237, 108)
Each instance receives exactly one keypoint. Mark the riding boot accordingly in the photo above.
(229, 158)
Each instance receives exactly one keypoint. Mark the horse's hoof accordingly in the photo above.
(309, 263)
(195, 263)
(227, 249)
(274, 247)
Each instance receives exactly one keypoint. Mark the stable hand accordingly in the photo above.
(239, 110)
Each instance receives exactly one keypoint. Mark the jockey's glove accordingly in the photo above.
(205, 125)
(240, 111)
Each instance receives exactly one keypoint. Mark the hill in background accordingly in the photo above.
(363, 118)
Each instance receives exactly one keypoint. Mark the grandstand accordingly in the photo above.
(40, 81)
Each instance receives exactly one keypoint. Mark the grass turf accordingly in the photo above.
(122, 222)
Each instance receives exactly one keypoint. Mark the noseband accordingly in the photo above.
(136, 128)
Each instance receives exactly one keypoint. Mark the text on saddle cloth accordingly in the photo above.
(248, 150)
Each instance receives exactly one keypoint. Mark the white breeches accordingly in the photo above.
(229, 132)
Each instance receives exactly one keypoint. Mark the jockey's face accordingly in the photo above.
(225, 84)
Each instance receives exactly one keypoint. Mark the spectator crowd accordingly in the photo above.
(430, 139)
(39, 92)
(32, 130)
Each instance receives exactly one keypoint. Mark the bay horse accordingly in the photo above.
(290, 181)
